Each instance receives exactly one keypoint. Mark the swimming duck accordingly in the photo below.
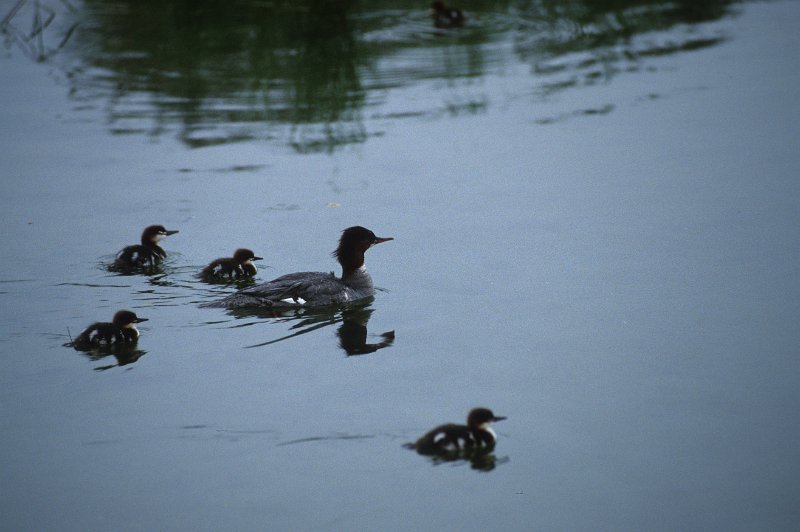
(149, 252)
(315, 289)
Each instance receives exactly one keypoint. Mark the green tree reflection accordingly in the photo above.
(304, 73)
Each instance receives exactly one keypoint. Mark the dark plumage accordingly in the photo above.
(451, 437)
(148, 253)
(316, 289)
(122, 329)
(238, 266)
(446, 17)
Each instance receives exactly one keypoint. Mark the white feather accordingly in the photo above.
(132, 326)
(294, 300)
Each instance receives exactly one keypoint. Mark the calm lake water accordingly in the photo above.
(595, 207)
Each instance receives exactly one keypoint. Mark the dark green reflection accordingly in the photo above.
(315, 74)
(218, 68)
(577, 42)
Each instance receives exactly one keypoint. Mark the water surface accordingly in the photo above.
(594, 207)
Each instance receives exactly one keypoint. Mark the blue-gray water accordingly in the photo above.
(595, 208)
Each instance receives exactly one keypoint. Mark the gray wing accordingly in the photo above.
(291, 290)
(301, 284)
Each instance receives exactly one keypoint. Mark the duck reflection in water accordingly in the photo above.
(123, 353)
(352, 331)
(482, 459)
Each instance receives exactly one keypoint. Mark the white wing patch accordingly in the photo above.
(453, 445)
(294, 300)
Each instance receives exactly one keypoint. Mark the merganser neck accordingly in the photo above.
(359, 279)
(352, 264)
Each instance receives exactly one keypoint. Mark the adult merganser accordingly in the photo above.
(148, 253)
(316, 289)
(122, 329)
(446, 17)
(476, 434)
(240, 265)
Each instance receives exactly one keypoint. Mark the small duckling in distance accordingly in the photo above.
(122, 329)
(446, 17)
(238, 266)
(451, 437)
(148, 253)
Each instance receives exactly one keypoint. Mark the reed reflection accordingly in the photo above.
(303, 73)
(221, 71)
(576, 43)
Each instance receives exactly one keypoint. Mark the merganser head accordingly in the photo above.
(479, 418)
(154, 233)
(126, 318)
(243, 255)
(352, 245)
